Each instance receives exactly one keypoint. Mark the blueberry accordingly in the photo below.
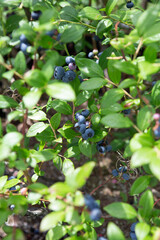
(89, 133)
(126, 176)
(77, 115)
(90, 54)
(122, 169)
(35, 15)
(99, 54)
(72, 66)
(100, 142)
(59, 72)
(80, 79)
(23, 47)
(90, 202)
(97, 61)
(133, 236)
(127, 111)
(87, 124)
(153, 83)
(101, 149)
(81, 119)
(77, 127)
(85, 113)
(108, 148)
(84, 136)
(157, 132)
(10, 178)
(130, 4)
(132, 228)
(12, 206)
(59, 37)
(114, 172)
(69, 59)
(69, 76)
(51, 33)
(95, 214)
(102, 238)
(82, 128)
(23, 39)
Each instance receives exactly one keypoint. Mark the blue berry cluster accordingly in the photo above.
(66, 76)
(103, 146)
(82, 125)
(156, 128)
(93, 207)
(35, 15)
(121, 170)
(94, 54)
(24, 44)
(130, 4)
(132, 233)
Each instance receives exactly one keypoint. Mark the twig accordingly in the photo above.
(10, 68)
(138, 130)
(94, 190)
(66, 49)
(138, 48)
(52, 128)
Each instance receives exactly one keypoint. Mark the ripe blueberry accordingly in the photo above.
(35, 15)
(59, 72)
(80, 79)
(157, 132)
(89, 133)
(69, 59)
(85, 113)
(77, 115)
(90, 54)
(101, 149)
(132, 228)
(82, 128)
(122, 169)
(51, 33)
(114, 172)
(23, 47)
(126, 176)
(108, 148)
(81, 119)
(133, 236)
(69, 76)
(130, 4)
(95, 214)
(23, 39)
(77, 127)
(90, 202)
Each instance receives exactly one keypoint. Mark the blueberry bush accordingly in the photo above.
(81, 80)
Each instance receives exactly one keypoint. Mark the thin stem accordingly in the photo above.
(78, 23)
(66, 49)
(94, 190)
(138, 48)
(138, 130)
(10, 68)
(52, 128)
(123, 54)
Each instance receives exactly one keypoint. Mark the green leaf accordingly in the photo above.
(20, 62)
(89, 68)
(83, 97)
(103, 26)
(146, 20)
(156, 94)
(13, 138)
(38, 116)
(114, 74)
(103, 61)
(38, 187)
(150, 53)
(143, 156)
(67, 167)
(3, 181)
(141, 140)
(44, 155)
(93, 83)
(114, 232)
(110, 97)
(56, 233)
(146, 204)
(142, 230)
(147, 68)
(36, 128)
(116, 120)
(155, 166)
(140, 184)
(51, 220)
(86, 148)
(69, 13)
(61, 107)
(72, 33)
(61, 91)
(4, 150)
(7, 102)
(61, 188)
(90, 13)
(72, 152)
(121, 210)
(11, 183)
(127, 83)
(110, 6)
(36, 78)
(31, 99)
(144, 117)
(55, 120)
(126, 67)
